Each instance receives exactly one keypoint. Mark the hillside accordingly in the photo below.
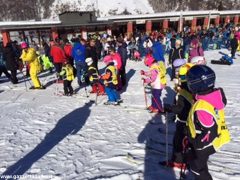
(42, 9)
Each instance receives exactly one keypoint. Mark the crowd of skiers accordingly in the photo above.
(200, 126)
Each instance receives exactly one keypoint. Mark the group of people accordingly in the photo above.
(77, 59)
(200, 124)
(200, 128)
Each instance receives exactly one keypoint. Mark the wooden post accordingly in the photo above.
(129, 28)
(194, 24)
(165, 25)
(217, 21)
(5, 37)
(205, 23)
(55, 33)
(149, 26)
(227, 19)
(236, 19)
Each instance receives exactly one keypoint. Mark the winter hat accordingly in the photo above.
(107, 59)
(24, 45)
(89, 61)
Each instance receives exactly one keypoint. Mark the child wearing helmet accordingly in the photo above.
(93, 76)
(67, 76)
(206, 126)
(198, 60)
(181, 108)
(153, 77)
(111, 82)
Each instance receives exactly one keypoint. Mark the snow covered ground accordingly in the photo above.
(72, 138)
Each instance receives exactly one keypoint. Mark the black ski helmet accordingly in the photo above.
(200, 78)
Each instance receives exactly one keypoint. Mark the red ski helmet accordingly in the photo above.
(24, 45)
(107, 59)
(149, 60)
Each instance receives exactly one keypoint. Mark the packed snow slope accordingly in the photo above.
(73, 138)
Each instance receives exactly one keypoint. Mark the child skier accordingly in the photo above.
(154, 78)
(67, 76)
(111, 82)
(181, 108)
(206, 127)
(47, 64)
(93, 76)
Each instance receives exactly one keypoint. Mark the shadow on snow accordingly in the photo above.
(69, 124)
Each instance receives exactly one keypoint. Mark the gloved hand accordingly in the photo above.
(144, 81)
(167, 108)
(142, 72)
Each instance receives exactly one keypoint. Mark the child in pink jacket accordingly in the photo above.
(153, 77)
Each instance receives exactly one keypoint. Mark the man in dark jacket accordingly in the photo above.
(122, 50)
(11, 61)
(175, 53)
(3, 68)
(91, 52)
(234, 46)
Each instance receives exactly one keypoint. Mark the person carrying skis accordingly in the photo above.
(110, 82)
(181, 108)
(93, 76)
(206, 126)
(67, 76)
(157, 81)
(29, 55)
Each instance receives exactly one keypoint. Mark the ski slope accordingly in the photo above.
(73, 138)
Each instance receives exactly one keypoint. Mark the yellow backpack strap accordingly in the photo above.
(187, 95)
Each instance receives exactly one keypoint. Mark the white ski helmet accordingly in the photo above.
(89, 61)
(198, 60)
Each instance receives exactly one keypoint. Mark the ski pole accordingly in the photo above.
(158, 105)
(56, 87)
(24, 78)
(85, 88)
(96, 95)
(183, 169)
(145, 95)
(166, 124)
